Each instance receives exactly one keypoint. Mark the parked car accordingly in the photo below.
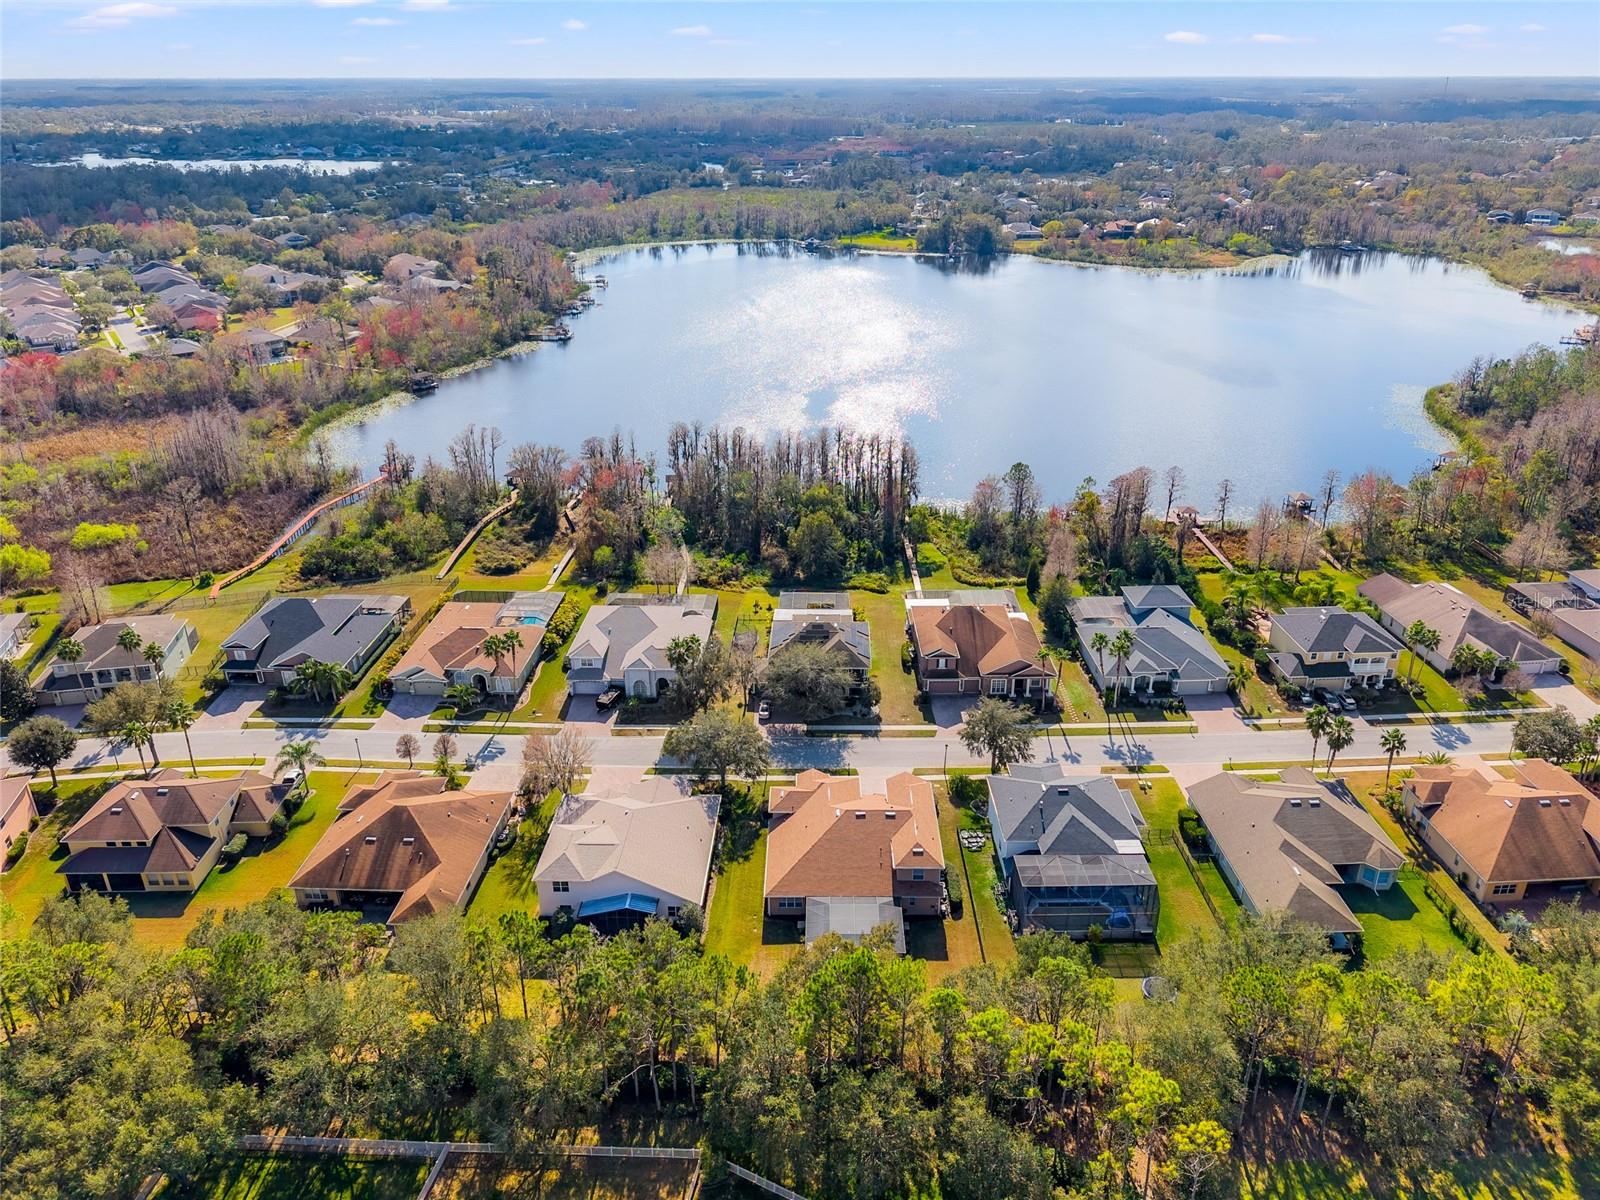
(763, 711)
(1306, 699)
(1347, 702)
(608, 699)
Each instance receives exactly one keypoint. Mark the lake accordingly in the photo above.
(312, 166)
(1267, 377)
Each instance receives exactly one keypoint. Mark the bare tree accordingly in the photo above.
(554, 761)
(182, 498)
(1330, 492)
(1224, 494)
(1174, 479)
(1263, 533)
(663, 563)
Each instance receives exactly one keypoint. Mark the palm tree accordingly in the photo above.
(1098, 644)
(511, 640)
(1436, 758)
(178, 714)
(69, 650)
(1121, 647)
(464, 697)
(153, 654)
(495, 648)
(1591, 732)
(1318, 720)
(1239, 679)
(1340, 734)
(136, 733)
(316, 677)
(300, 756)
(1393, 742)
(128, 639)
(1418, 637)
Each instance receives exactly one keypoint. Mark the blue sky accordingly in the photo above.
(532, 39)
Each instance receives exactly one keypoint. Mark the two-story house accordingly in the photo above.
(1333, 648)
(163, 834)
(623, 644)
(1071, 853)
(977, 643)
(118, 652)
(1169, 656)
(832, 847)
(346, 630)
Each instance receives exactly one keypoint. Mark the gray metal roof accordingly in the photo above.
(1083, 870)
(1157, 595)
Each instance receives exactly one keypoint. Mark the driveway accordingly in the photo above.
(1214, 712)
(127, 331)
(233, 706)
(405, 709)
(1558, 689)
(590, 721)
(950, 711)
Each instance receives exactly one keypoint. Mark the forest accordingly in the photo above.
(845, 1073)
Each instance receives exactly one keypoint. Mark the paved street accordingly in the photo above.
(127, 331)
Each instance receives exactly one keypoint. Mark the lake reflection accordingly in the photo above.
(1267, 377)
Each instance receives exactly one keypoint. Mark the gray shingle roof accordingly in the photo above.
(293, 629)
(1157, 595)
(1061, 813)
(1329, 629)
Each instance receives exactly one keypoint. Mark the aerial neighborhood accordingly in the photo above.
(614, 640)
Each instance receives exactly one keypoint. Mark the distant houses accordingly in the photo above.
(1332, 648)
(403, 847)
(1571, 607)
(1169, 656)
(623, 644)
(1459, 620)
(977, 643)
(838, 857)
(346, 630)
(616, 859)
(1297, 845)
(456, 647)
(40, 311)
(16, 630)
(165, 833)
(117, 652)
(1532, 837)
(1070, 852)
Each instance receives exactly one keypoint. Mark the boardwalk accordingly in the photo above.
(494, 514)
(301, 526)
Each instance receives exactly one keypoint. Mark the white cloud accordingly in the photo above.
(1466, 30)
(1186, 37)
(339, 3)
(355, 60)
(113, 16)
(375, 22)
(574, 25)
(692, 31)
(1534, 27)
(426, 5)
(1271, 39)
(531, 41)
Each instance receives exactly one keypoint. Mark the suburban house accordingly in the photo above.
(164, 834)
(1333, 648)
(347, 630)
(450, 650)
(831, 847)
(1070, 852)
(1024, 231)
(106, 662)
(1169, 655)
(16, 630)
(17, 811)
(614, 860)
(281, 281)
(623, 644)
(977, 643)
(1541, 217)
(1459, 620)
(1296, 844)
(1570, 606)
(1532, 837)
(404, 846)
(262, 346)
(822, 619)
(402, 267)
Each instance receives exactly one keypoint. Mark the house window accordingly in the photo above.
(941, 664)
(997, 687)
(560, 885)
(673, 910)
(791, 903)
(917, 876)
(1504, 889)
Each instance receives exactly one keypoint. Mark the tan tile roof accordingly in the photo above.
(655, 836)
(1514, 830)
(453, 641)
(985, 639)
(12, 789)
(405, 834)
(839, 842)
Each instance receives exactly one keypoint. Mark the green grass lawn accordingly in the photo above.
(1491, 1176)
(547, 693)
(980, 934)
(879, 239)
(1183, 907)
(165, 920)
(737, 925)
(303, 1177)
(1403, 918)
(507, 885)
(531, 578)
(885, 613)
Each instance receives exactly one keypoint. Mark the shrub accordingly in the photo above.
(235, 846)
(18, 849)
(279, 823)
(969, 791)
(1190, 827)
(501, 558)
(19, 563)
(929, 560)
(90, 536)
(869, 581)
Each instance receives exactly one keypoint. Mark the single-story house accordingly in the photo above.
(403, 846)
(977, 643)
(1534, 836)
(164, 834)
(1296, 844)
(292, 241)
(830, 841)
(1459, 620)
(623, 643)
(17, 811)
(615, 859)
(280, 280)
(1333, 648)
(402, 267)
(1024, 231)
(1499, 216)
(106, 662)
(263, 345)
(450, 650)
(1070, 852)
(87, 258)
(1169, 656)
(822, 619)
(347, 630)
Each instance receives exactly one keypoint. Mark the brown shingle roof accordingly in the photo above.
(985, 639)
(839, 842)
(137, 810)
(1538, 826)
(405, 834)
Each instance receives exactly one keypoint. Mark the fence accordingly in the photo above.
(766, 1185)
(1193, 867)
